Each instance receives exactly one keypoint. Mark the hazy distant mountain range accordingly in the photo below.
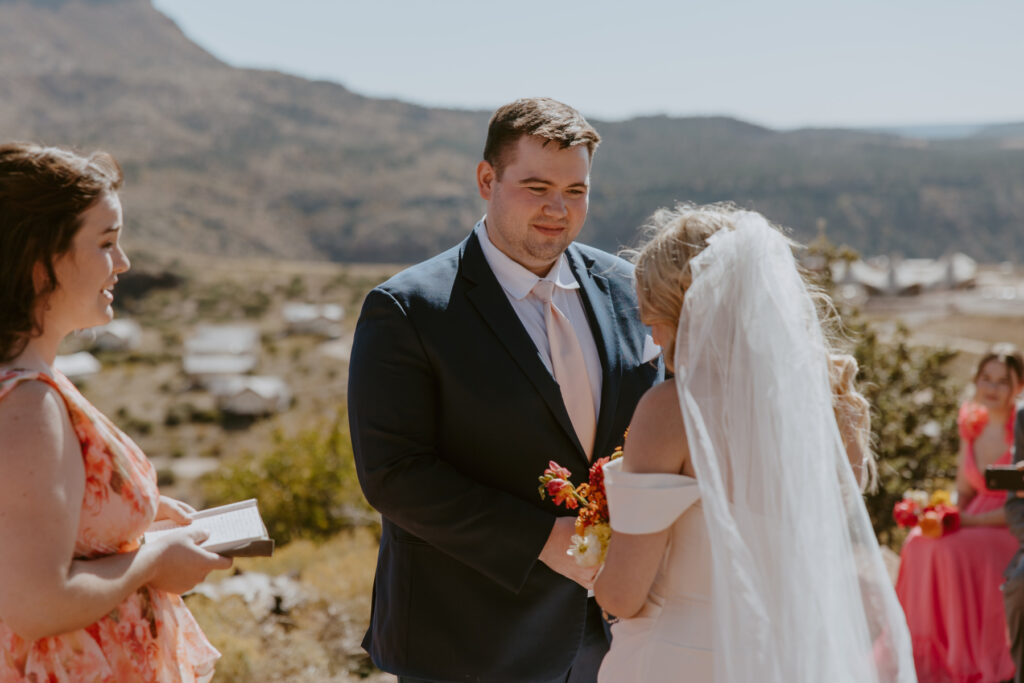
(238, 161)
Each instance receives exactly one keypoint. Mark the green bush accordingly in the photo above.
(914, 402)
(914, 406)
(306, 484)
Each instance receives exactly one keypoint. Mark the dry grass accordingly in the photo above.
(315, 641)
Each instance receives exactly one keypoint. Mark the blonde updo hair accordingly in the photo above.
(672, 238)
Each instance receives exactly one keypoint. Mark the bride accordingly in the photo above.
(742, 549)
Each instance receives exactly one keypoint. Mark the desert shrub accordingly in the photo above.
(184, 413)
(306, 484)
(914, 406)
(914, 401)
(225, 299)
(296, 287)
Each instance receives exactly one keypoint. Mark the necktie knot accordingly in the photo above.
(544, 290)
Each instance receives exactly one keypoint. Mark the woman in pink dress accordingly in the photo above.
(950, 586)
(80, 598)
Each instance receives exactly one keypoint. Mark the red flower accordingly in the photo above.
(597, 474)
(565, 495)
(557, 471)
(905, 513)
(949, 515)
(972, 420)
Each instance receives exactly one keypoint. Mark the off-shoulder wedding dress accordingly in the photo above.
(671, 634)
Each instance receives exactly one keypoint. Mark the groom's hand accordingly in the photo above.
(555, 554)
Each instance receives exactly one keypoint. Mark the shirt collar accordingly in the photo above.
(513, 277)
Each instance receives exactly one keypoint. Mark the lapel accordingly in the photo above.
(491, 302)
(603, 317)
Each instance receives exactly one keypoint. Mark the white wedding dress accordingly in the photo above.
(773, 573)
(669, 640)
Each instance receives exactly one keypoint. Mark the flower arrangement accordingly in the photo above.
(973, 418)
(593, 530)
(935, 515)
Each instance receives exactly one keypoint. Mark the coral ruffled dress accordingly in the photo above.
(151, 636)
(950, 587)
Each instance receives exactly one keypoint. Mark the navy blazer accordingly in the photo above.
(453, 418)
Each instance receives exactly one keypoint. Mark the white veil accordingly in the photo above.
(800, 592)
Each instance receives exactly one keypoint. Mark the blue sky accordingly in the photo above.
(781, 63)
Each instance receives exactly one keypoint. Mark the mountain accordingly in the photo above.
(249, 162)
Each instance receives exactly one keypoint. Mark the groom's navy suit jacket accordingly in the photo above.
(453, 418)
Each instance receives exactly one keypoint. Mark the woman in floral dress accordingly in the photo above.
(80, 598)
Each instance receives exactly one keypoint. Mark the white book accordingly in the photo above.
(236, 530)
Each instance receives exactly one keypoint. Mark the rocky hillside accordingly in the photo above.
(247, 162)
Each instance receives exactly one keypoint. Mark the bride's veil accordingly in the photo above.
(800, 592)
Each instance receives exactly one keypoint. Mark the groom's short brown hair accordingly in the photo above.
(540, 116)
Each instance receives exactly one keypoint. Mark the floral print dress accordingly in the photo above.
(151, 636)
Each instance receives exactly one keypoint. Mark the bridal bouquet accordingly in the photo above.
(935, 514)
(590, 542)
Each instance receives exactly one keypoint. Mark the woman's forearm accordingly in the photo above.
(92, 589)
(995, 517)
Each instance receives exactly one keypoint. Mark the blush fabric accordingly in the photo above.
(151, 636)
(569, 367)
(950, 589)
(672, 632)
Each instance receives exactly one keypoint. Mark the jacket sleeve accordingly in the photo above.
(392, 416)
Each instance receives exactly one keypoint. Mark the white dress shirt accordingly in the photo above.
(518, 282)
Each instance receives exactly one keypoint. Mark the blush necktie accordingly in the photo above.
(569, 368)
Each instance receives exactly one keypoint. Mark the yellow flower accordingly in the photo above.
(940, 497)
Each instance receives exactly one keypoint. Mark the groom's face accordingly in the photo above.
(538, 205)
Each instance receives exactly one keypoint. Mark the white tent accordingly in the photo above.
(223, 340)
(77, 365)
(319, 319)
(122, 334)
(252, 395)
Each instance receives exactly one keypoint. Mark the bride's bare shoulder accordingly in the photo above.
(657, 437)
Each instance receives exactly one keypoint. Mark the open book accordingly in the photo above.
(236, 530)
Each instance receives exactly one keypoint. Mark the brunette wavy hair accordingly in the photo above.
(43, 193)
(1007, 354)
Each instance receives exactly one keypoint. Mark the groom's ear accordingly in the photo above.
(485, 179)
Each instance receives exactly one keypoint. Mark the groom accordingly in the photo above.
(468, 373)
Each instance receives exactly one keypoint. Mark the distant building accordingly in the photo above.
(319, 319)
(215, 351)
(223, 339)
(251, 396)
(77, 366)
(202, 369)
(122, 334)
(892, 276)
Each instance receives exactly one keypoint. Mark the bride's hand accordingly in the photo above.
(174, 510)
